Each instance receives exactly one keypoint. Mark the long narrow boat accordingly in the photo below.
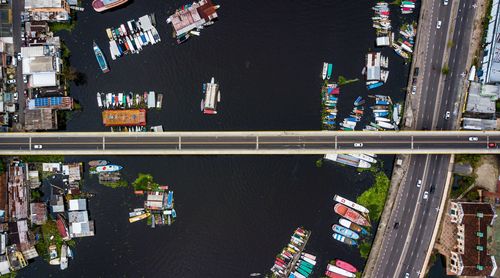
(95, 163)
(345, 231)
(340, 271)
(108, 168)
(345, 240)
(325, 70)
(329, 72)
(102, 5)
(139, 217)
(330, 274)
(350, 204)
(346, 266)
(364, 157)
(351, 214)
(100, 58)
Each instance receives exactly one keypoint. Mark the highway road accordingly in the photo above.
(286, 142)
(404, 248)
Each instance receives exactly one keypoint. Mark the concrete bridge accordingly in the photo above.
(250, 142)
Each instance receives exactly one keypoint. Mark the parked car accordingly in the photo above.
(414, 89)
(19, 57)
(415, 71)
(11, 81)
(358, 145)
(25, 79)
(16, 95)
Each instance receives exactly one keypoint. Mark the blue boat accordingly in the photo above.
(376, 85)
(329, 73)
(345, 231)
(359, 101)
(170, 199)
(345, 240)
(100, 59)
(174, 213)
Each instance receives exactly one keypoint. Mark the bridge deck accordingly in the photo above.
(250, 142)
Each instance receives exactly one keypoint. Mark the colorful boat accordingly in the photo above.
(108, 168)
(211, 91)
(329, 72)
(375, 85)
(102, 5)
(346, 266)
(340, 271)
(95, 163)
(351, 215)
(139, 217)
(100, 59)
(359, 101)
(344, 231)
(345, 240)
(330, 274)
(350, 204)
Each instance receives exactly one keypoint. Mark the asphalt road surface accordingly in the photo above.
(405, 245)
(305, 142)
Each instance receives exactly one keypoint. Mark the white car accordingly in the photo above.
(426, 195)
(11, 81)
(25, 79)
(438, 26)
(407, 275)
(358, 145)
(473, 139)
(19, 57)
(445, 2)
(37, 147)
(419, 183)
(447, 115)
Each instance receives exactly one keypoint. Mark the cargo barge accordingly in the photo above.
(126, 117)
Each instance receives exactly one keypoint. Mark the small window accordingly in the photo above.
(479, 234)
(479, 215)
(479, 247)
(479, 267)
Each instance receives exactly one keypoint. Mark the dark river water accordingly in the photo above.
(235, 213)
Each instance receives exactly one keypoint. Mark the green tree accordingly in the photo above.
(144, 182)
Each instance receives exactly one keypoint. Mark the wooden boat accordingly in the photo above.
(350, 204)
(351, 215)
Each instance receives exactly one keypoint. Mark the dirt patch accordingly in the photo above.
(487, 172)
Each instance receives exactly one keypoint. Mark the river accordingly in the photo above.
(235, 213)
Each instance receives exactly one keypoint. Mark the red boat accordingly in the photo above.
(351, 214)
(346, 266)
(333, 275)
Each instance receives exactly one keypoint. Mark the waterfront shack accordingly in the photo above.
(373, 72)
(191, 17)
(126, 117)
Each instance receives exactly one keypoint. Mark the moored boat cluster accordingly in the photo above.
(293, 261)
(330, 92)
(387, 115)
(382, 24)
(131, 100)
(158, 207)
(404, 45)
(376, 70)
(353, 222)
(132, 37)
(407, 6)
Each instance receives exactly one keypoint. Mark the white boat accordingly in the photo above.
(380, 110)
(364, 157)
(120, 99)
(193, 32)
(325, 70)
(313, 262)
(350, 204)
(64, 259)
(312, 257)
(340, 271)
(108, 168)
(385, 125)
(99, 100)
(382, 119)
(151, 99)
